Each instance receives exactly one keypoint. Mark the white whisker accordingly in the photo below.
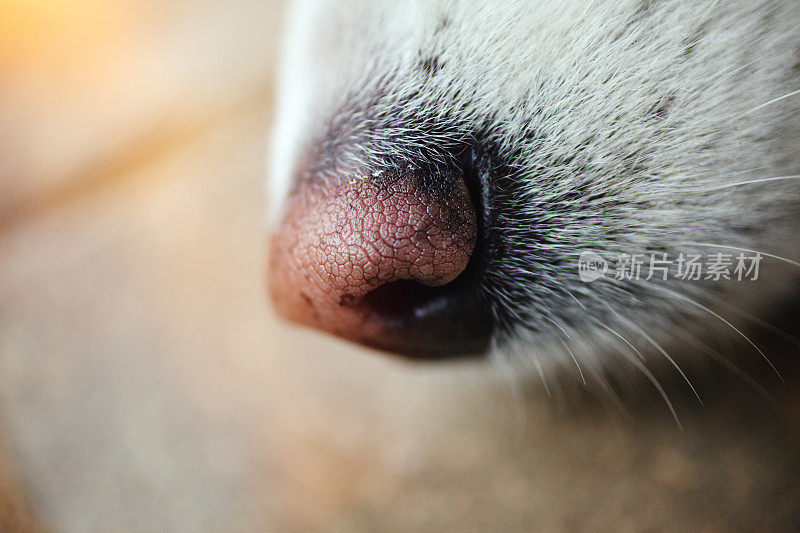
(540, 371)
(737, 330)
(566, 346)
(660, 349)
(774, 100)
(765, 254)
(742, 183)
(732, 368)
(575, 360)
(761, 323)
(649, 375)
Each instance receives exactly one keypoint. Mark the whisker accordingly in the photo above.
(737, 330)
(774, 100)
(540, 371)
(729, 365)
(742, 183)
(566, 347)
(765, 254)
(597, 374)
(578, 301)
(649, 375)
(732, 368)
(660, 349)
(761, 323)
(608, 389)
(638, 363)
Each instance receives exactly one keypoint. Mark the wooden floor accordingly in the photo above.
(146, 386)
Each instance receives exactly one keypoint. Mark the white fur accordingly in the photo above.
(585, 77)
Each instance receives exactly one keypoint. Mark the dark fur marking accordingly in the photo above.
(690, 43)
(661, 110)
(444, 22)
(430, 65)
(642, 10)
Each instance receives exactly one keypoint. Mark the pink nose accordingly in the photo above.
(359, 257)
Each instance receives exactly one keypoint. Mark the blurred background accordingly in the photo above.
(146, 386)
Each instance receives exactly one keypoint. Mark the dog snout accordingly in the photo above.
(380, 257)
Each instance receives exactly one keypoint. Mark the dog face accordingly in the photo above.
(532, 179)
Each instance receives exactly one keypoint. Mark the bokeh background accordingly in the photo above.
(146, 386)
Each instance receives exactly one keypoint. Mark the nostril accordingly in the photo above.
(399, 300)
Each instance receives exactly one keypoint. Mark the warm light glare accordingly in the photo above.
(55, 30)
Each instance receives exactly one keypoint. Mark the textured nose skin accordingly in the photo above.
(358, 257)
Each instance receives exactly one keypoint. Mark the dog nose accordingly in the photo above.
(380, 258)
